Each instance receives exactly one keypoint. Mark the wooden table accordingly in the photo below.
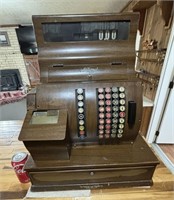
(11, 188)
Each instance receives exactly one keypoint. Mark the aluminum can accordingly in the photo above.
(18, 161)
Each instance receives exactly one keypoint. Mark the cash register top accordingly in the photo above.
(90, 38)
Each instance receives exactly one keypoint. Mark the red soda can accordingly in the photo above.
(18, 161)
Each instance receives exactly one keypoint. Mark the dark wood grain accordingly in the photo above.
(44, 132)
(60, 158)
(84, 52)
(96, 166)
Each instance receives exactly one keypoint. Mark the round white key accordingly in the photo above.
(121, 89)
(121, 120)
(122, 108)
(80, 97)
(80, 103)
(79, 90)
(122, 101)
(80, 110)
(121, 126)
(122, 95)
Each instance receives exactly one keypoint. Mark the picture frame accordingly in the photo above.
(4, 39)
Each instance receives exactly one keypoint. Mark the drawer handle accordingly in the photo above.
(91, 173)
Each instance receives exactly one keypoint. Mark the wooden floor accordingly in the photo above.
(11, 188)
(168, 149)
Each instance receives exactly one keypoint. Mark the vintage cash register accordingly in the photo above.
(82, 125)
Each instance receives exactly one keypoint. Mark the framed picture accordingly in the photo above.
(4, 40)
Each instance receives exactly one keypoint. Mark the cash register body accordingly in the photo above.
(92, 104)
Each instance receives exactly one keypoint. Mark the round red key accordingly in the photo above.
(122, 114)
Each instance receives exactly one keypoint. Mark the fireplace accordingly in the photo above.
(10, 80)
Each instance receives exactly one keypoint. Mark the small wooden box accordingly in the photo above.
(44, 135)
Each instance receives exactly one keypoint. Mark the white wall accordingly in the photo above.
(20, 11)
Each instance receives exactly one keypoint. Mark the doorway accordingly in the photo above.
(161, 127)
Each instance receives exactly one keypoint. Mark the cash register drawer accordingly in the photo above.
(93, 178)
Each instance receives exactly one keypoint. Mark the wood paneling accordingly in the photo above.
(155, 27)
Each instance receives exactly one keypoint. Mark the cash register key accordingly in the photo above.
(101, 103)
(81, 122)
(114, 89)
(114, 126)
(120, 130)
(81, 128)
(121, 89)
(100, 90)
(108, 96)
(108, 121)
(108, 109)
(121, 126)
(115, 102)
(122, 108)
(80, 110)
(108, 102)
(115, 108)
(107, 131)
(114, 131)
(82, 132)
(101, 96)
(101, 115)
(107, 136)
(114, 120)
(108, 126)
(108, 115)
(122, 102)
(80, 103)
(119, 135)
(115, 114)
(101, 121)
(121, 120)
(122, 95)
(114, 95)
(101, 132)
(79, 91)
(122, 114)
(101, 109)
(80, 97)
(107, 89)
(81, 116)
(101, 127)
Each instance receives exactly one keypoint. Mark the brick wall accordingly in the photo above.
(11, 57)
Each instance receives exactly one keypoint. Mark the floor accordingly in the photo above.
(11, 188)
(168, 149)
(166, 154)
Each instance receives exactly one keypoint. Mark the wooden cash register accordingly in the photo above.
(82, 126)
